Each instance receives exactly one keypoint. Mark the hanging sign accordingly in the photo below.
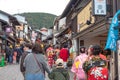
(99, 7)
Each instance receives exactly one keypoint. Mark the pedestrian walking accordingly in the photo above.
(64, 54)
(96, 67)
(50, 53)
(19, 53)
(59, 73)
(107, 52)
(27, 50)
(7, 51)
(14, 57)
(35, 64)
(100, 54)
(11, 55)
(77, 68)
(71, 51)
(57, 51)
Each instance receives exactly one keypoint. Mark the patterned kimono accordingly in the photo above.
(96, 69)
(77, 66)
(98, 73)
(50, 57)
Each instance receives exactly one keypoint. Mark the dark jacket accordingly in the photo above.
(7, 50)
(59, 74)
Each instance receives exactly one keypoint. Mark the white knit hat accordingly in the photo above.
(58, 61)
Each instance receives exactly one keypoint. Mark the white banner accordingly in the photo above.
(99, 7)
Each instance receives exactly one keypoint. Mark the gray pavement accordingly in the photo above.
(12, 72)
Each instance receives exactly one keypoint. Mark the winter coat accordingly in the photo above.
(59, 74)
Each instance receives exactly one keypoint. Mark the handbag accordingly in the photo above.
(39, 64)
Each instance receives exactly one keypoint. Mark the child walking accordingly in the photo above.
(59, 73)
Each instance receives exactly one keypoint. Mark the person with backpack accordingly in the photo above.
(77, 68)
(59, 73)
(95, 67)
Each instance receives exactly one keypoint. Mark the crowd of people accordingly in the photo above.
(11, 55)
(37, 59)
(91, 65)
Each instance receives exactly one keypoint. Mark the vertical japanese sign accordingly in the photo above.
(99, 7)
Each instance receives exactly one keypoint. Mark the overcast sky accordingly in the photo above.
(20, 6)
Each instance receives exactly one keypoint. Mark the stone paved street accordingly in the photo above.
(12, 72)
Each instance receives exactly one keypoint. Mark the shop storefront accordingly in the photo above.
(94, 34)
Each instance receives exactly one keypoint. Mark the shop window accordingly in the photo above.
(81, 42)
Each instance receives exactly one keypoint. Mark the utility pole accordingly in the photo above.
(118, 54)
(113, 56)
(118, 4)
(118, 60)
(116, 7)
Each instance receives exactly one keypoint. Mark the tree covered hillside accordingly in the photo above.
(39, 20)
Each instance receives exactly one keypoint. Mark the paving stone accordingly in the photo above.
(12, 72)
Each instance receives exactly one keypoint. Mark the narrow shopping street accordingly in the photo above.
(12, 72)
(54, 35)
